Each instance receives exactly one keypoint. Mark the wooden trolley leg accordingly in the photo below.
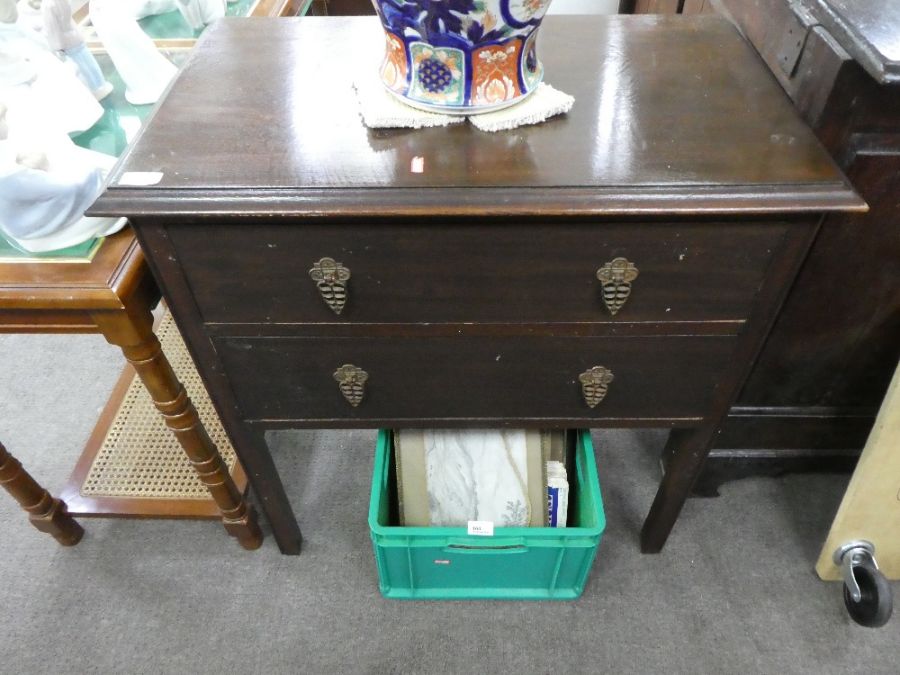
(132, 331)
(46, 513)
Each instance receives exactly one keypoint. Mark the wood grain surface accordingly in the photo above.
(658, 99)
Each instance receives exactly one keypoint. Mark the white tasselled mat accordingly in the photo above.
(382, 110)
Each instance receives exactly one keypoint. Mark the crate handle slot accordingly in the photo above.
(469, 549)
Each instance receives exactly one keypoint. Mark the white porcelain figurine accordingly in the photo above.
(145, 71)
(47, 183)
(8, 11)
(30, 70)
(199, 13)
(141, 8)
(63, 36)
(30, 15)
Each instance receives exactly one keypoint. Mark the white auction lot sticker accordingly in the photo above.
(140, 178)
(481, 528)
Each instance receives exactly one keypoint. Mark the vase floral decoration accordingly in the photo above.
(461, 56)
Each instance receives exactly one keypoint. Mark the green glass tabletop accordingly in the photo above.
(83, 252)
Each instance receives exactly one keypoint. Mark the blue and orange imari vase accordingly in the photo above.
(461, 56)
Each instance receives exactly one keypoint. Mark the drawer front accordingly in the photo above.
(301, 378)
(250, 273)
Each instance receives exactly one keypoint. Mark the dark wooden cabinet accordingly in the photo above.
(489, 289)
(812, 397)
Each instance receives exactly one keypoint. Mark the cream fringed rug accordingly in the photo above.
(140, 457)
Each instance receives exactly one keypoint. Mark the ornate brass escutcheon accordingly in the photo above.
(616, 277)
(352, 382)
(331, 279)
(595, 384)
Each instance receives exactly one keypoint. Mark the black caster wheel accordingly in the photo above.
(875, 604)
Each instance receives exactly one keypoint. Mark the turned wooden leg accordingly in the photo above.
(46, 513)
(132, 331)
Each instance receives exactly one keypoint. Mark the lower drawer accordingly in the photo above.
(390, 379)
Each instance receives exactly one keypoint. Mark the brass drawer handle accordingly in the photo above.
(595, 384)
(331, 279)
(616, 277)
(352, 382)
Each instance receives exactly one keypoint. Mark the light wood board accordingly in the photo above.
(871, 506)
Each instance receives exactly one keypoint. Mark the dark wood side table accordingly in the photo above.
(113, 294)
(607, 268)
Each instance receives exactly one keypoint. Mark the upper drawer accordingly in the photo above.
(260, 273)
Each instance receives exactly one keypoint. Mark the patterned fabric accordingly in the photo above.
(447, 477)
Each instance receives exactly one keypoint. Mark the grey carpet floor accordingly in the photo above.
(733, 592)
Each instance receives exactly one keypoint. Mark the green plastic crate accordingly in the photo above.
(517, 563)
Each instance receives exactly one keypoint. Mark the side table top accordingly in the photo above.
(88, 285)
(672, 114)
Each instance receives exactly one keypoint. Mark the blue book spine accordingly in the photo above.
(552, 506)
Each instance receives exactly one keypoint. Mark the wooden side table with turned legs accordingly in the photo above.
(112, 293)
